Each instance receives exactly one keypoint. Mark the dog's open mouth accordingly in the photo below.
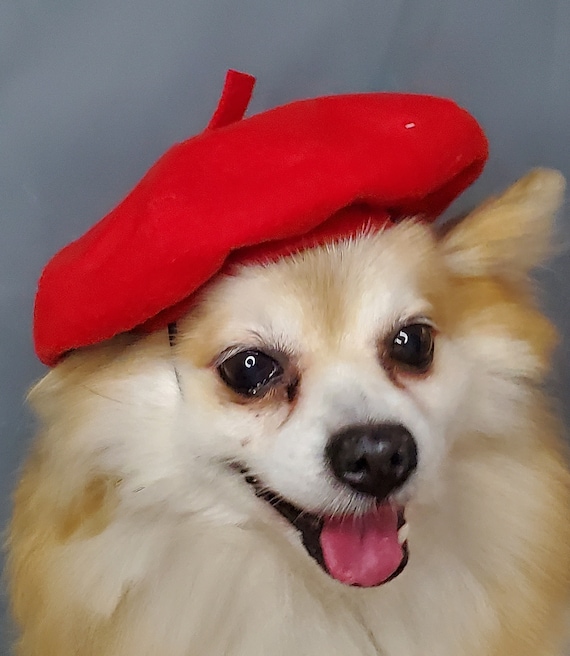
(365, 550)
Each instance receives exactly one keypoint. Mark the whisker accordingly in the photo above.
(103, 396)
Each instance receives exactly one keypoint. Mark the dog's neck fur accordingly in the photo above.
(256, 596)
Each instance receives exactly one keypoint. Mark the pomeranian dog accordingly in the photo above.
(345, 452)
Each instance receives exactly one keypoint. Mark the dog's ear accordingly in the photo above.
(510, 234)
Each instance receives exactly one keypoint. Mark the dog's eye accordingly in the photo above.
(249, 372)
(412, 346)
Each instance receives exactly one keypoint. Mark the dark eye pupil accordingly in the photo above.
(413, 346)
(249, 372)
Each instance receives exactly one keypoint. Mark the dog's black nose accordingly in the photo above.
(373, 459)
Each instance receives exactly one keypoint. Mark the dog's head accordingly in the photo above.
(321, 397)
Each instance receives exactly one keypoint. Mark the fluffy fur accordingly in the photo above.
(131, 536)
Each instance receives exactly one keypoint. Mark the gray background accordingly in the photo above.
(92, 92)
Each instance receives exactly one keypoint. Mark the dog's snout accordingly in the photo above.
(373, 459)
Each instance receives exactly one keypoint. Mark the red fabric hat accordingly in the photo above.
(289, 178)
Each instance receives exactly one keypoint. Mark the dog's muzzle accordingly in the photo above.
(366, 549)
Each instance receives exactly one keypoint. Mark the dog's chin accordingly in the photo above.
(364, 550)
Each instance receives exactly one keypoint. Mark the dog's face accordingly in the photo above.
(327, 387)
(322, 397)
(332, 386)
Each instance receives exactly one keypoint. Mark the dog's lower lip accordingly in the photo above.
(308, 524)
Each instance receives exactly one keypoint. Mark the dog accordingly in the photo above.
(347, 451)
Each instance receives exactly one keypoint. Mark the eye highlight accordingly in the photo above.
(412, 347)
(250, 372)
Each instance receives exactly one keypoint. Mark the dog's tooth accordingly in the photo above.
(403, 533)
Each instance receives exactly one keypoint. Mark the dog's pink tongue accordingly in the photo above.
(362, 550)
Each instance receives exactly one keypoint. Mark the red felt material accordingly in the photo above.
(234, 100)
(247, 190)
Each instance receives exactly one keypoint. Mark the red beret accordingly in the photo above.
(292, 177)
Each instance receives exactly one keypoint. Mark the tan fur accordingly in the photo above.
(504, 595)
(501, 237)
